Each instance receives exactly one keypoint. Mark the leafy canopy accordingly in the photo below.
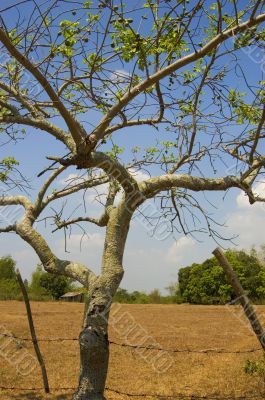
(206, 283)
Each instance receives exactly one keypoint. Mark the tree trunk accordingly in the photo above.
(94, 349)
(94, 344)
(94, 359)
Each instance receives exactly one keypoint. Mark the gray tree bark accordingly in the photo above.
(94, 356)
(94, 344)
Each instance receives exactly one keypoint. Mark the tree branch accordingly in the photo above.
(38, 204)
(100, 131)
(94, 182)
(136, 122)
(99, 222)
(257, 136)
(20, 98)
(102, 220)
(74, 127)
(50, 262)
(15, 200)
(42, 124)
(114, 169)
(10, 228)
(152, 186)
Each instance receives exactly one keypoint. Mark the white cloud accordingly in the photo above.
(243, 201)
(249, 228)
(139, 175)
(119, 76)
(247, 220)
(178, 250)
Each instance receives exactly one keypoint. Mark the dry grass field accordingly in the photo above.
(168, 326)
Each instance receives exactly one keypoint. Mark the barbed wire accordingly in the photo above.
(26, 339)
(147, 347)
(204, 351)
(177, 396)
(185, 396)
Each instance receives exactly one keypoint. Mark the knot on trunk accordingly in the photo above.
(93, 339)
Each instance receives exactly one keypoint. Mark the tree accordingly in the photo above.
(45, 284)
(35, 286)
(206, 283)
(155, 296)
(173, 289)
(9, 288)
(7, 268)
(55, 285)
(81, 72)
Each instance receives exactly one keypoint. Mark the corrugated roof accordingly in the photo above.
(72, 294)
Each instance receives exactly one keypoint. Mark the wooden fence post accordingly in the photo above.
(241, 296)
(33, 333)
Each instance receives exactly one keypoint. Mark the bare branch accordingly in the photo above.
(10, 228)
(39, 124)
(153, 186)
(257, 136)
(101, 221)
(50, 262)
(38, 204)
(15, 200)
(93, 182)
(74, 127)
(255, 8)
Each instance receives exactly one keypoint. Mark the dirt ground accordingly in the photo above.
(179, 374)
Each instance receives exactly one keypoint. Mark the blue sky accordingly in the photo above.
(149, 262)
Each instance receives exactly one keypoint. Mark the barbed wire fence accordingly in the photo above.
(111, 342)
(177, 396)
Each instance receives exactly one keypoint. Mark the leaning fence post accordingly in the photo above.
(33, 333)
(241, 295)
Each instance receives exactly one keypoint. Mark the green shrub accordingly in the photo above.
(256, 368)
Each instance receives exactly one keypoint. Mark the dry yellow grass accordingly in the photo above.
(170, 326)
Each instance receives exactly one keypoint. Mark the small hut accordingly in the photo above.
(77, 297)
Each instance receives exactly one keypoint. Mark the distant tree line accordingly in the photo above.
(154, 297)
(203, 283)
